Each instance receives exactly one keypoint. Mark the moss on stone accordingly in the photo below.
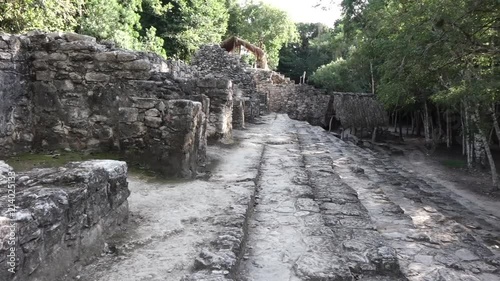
(28, 161)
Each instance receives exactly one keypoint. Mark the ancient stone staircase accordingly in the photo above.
(435, 236)
(308, 223)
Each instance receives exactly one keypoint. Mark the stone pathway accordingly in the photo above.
(174, 225)
(291, 202)
(287, 238)
(436, 237)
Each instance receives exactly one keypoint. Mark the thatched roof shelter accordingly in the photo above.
(234, 43)
(355, 110)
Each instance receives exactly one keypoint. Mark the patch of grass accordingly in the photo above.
(27, 161)
(454, 163)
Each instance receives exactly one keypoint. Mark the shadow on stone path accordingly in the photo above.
(291, 202)
(436, 237)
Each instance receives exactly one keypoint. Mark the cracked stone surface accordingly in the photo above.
(288, 201)
(435, 236)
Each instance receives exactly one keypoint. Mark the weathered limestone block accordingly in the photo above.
(152, 121)
(79, 37)
(3, 45)
(125, 56)
(128, 114)
(5, 56)
(45, 75)
(144, 103)
(96, 77)
(238, 113)
(106, 56)
(183, 133)
(63, 216)
(220, 93)
(66, 90)
(57, 57)
(213, 61)
(78, 46)
(137, 65)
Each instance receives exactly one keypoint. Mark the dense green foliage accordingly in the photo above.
(176, 28)
(308, 53)
(187, 24)
(442, 50)
(427, 59)
(116, 20)
(265, 26)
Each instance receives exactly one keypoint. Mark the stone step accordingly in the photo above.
(287, 237)
(356, 239)
(435, 236)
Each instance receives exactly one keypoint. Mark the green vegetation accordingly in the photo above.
(176, 28)
(185, 25)
(28, 161)
(268, 28)
(117, 20)
(433, 63)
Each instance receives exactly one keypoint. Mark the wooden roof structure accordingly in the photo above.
(233, 43)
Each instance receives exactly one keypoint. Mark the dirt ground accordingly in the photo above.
(447, 167)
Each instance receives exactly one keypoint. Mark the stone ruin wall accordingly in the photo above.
(63, 217)
(214, 61)
(300, 102)
(65, 91)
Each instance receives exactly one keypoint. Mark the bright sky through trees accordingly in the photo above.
(304, 11)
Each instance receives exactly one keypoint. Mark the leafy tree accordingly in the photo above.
(116, 20)
(18, 16)
(431, 54)
(152, 43)
(308, 53)
(187, 24)
(119, 20)
(265, 26)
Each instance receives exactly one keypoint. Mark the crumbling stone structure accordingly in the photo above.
(62, 217)
(213, 61)
(318, 106)
(65, 91)
(300, 102)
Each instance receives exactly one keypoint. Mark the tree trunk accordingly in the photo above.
(413, 122)
(374, 135)
(467, 136)
(419, 124)
(330, 125)
(426, 125)
(400, 129)
(395, 121)
(495, 122)
(462, 120)
(448, 129)
(373, 79)
(494, 175)
(440, 127)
